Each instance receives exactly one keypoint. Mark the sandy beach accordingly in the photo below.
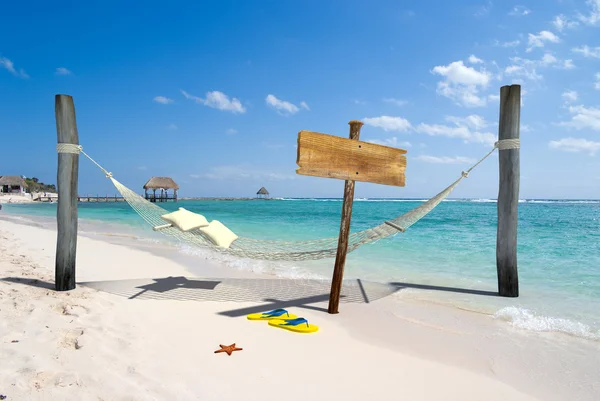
(141, 326)
(6, 198)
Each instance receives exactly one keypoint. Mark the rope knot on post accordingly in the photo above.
(465, 174)
(109, 175)
(505, 144)
(69, 148)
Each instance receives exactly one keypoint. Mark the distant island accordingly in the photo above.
(34, 185)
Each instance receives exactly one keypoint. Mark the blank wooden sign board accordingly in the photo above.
(329, 156)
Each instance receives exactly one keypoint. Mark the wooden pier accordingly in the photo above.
(107, 198)
(160, 198)
(99, 198)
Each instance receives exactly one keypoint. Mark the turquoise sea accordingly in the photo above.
(452, 247)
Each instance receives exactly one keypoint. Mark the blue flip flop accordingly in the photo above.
(299, 325)
(279, 314)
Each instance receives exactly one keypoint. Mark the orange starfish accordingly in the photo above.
(228, 348)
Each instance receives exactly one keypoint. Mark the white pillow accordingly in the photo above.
(219, 234)
(185, 220)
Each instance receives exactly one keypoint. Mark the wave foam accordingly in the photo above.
(526, 319)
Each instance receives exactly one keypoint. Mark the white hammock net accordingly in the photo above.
(284, 250)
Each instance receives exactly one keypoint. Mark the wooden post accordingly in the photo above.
(340, 257)
(67, 177)
(508, 193)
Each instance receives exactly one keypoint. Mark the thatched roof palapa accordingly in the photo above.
(262, 191)
(161, 183)
(12, 180)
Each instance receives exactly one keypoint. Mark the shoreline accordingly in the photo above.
(475, 297)
(544, 365)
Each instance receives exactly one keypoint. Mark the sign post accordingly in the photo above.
(329, 156)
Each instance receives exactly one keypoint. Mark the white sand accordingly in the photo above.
(15, 198)
(88, 344)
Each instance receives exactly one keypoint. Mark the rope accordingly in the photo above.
(68, 148)
(505, 144)
(76, 149)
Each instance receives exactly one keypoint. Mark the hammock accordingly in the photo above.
(282, 250)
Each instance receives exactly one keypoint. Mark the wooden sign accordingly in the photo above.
(330, 156)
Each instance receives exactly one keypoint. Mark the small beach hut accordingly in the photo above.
(163, 184)
(262, 193)
(12, 184)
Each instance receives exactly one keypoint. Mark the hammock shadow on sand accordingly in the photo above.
(271, 293)
(430, 287)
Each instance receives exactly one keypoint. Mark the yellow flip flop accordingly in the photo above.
(299, 325)
(279, 314)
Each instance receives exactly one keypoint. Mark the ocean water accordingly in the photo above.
(450, 250)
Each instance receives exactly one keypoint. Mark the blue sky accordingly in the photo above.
(214, 93)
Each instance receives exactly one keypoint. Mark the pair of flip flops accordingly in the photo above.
(283, 319)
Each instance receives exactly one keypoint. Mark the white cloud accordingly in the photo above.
(361, 102)
(242, 172)
(162, 100)
(583, 118)
(284, 108)
(446, 159)
(541, 38)
(217, 100)
(474, 59)
(513, 43)
(494, 98)
(576, 145)
(391, 142)
(570, 96)
(10, 67)
(523, 68)
(143, 168)
(397, 102)
(587, 51)
(561, 22)
(462, 83)
(172, 127)
(483, 10)
(388, 123)
(528, 69)
(457, 73)
(594, 16)
(519, 11)
(548, 59)
(473, 121)
(597, 83)
(466, 128)
(566, 65)
(63, 71)
(231, 131)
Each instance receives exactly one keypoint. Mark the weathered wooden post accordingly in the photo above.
(508, 192)
(322, 155)
(342, 250)
(67, 177)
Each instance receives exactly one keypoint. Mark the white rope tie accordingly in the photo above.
(68, 148)
(76, 149)
(505, 144)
